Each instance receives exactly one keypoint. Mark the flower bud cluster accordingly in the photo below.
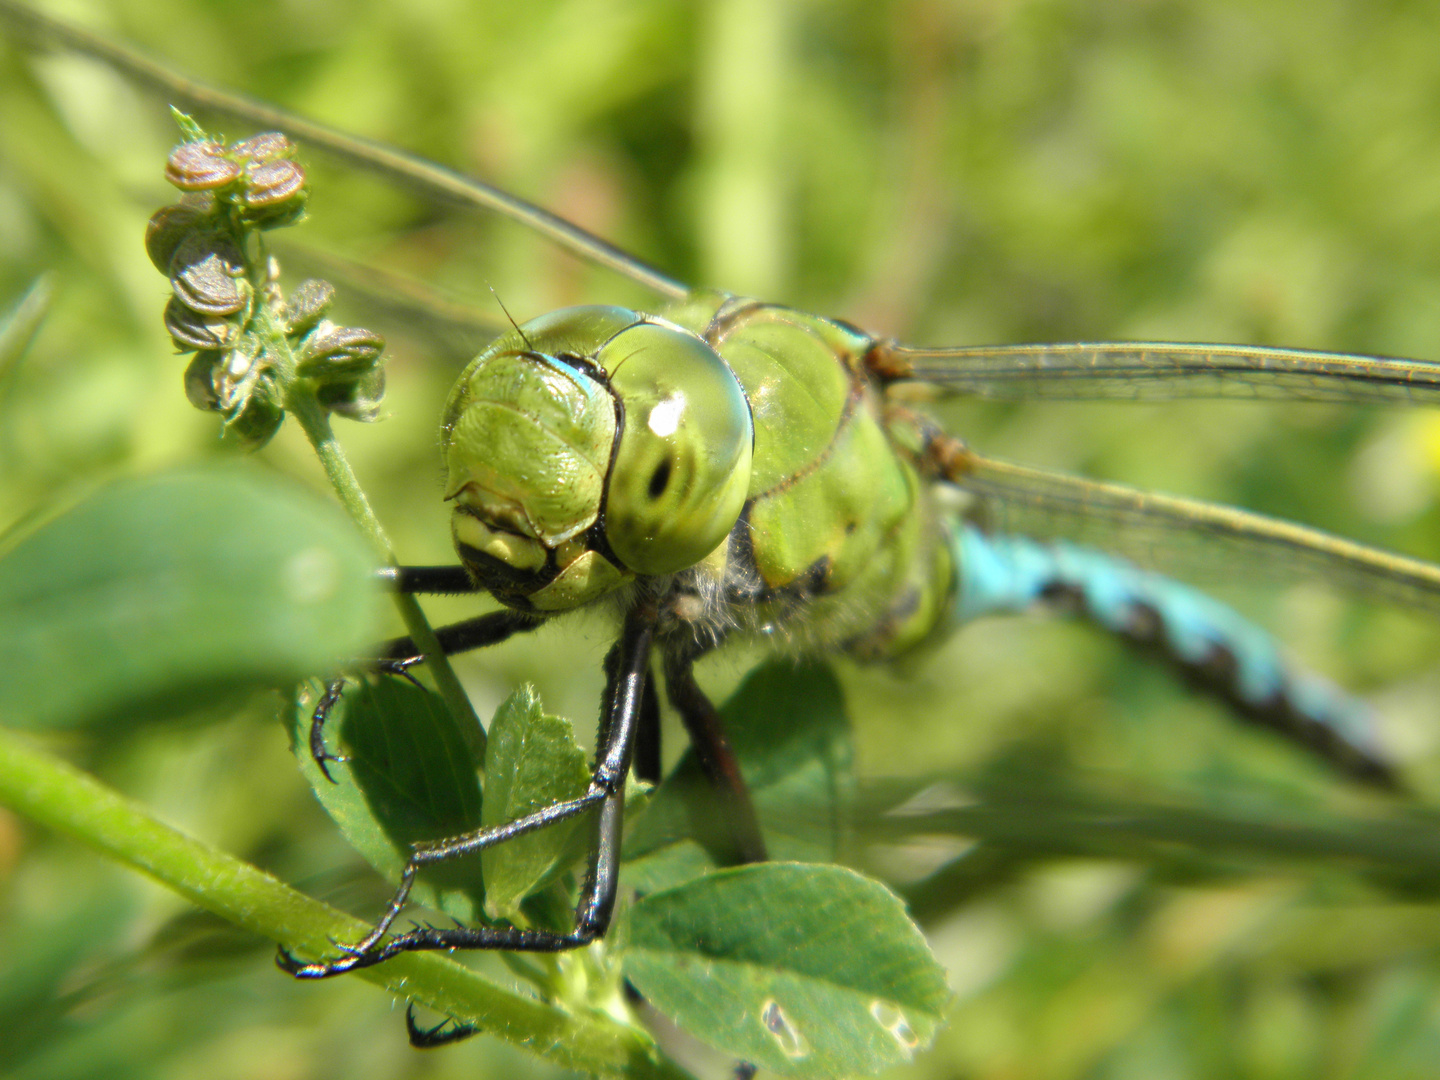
(226, 305)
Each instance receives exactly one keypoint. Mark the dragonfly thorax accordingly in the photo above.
(590, 446)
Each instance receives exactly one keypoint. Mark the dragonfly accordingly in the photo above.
(723, 468)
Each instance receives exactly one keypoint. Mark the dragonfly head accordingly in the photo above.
(590, 446)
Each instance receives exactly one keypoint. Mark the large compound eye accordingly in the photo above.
(682, 469)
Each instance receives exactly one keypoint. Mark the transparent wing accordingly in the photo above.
(452, 329)
(1154, 370)
(1174, 534)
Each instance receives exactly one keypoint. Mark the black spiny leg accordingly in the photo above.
(333, 689)
(431, 580)
(732, 832)
(647, 737)
(466, 635)
(397, 656)
(458, 637)
(624, 693)
(444, 1033)
(321, 756)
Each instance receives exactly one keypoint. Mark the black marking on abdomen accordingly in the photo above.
(1216, 674)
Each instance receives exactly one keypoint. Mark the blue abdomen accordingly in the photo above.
(1212, 646)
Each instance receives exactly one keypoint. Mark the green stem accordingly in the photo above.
(55, 793)
(316, 422)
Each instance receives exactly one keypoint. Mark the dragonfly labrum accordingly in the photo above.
(723, 469)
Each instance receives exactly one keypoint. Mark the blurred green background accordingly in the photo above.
(1231, 170)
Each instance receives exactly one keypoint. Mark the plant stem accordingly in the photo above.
(55, 793)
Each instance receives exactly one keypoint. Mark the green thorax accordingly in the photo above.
(839, 544)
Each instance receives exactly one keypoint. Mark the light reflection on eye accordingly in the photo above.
(665, 417)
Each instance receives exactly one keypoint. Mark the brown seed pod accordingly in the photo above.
(267, 146)
(339, 352)
(208, 287)
(191, 330)
(166, 229)
(272, 183)
(200, 381)
(308, 303)
(201, 245)
(358, 399)
(207, 273)
(258, 419)
(200, 167)
(277, 217)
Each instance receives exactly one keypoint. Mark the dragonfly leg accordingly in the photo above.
(431, 580)
(477, 633)
(730, 830)
(397, 656)
(648, 765)
(620, 721)
(444, 1033)
(333, 690)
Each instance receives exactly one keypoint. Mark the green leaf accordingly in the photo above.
(164, 593)
(807, 970)
(532, 762)
(788, 726)
(190, 131)
(410, 775)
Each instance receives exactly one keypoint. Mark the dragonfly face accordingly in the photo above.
(589, 446)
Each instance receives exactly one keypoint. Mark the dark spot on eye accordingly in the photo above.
(659, 479)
